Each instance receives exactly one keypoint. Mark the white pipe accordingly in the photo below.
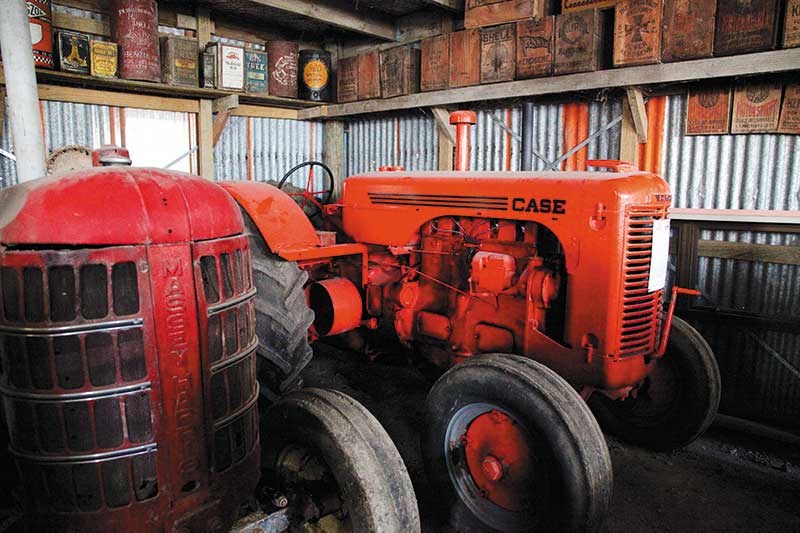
(23, 99)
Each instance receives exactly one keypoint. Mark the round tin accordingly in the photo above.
(134, 27)
(315, 75)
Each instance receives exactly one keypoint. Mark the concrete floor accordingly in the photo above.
(723, 482)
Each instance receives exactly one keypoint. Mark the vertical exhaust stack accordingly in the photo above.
(462, 120)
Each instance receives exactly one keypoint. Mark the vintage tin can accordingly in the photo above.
(637, 32)
(498, 53)
(535, 47)
(255, 72)
(347, 79)
(230, 66)
(579, 42)
(179, 61)
(208, 74)
(435, 63)
(315, 75)
(465, 58)
(791, 24)
(369, 75)
(790, 111)
(73, 51)
(481, 13)
(708, 111)
(134, 26)
(580, 5)
(756, 108)
(103, 59)
(399, 71)
(688, 29)
(745, 26)
(40, 22)
(282, 68)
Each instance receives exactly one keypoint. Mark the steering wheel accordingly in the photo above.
(312, 201)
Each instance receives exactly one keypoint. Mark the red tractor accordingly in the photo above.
(535, 293)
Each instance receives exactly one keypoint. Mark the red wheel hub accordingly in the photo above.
(499, 459)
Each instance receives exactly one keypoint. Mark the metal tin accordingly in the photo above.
(230, 66)
(179, 60)
(40, 21)
(315, 75)
(255, 71)
(103, 59)
(282, 68)
(73, 51)
(209, 72)
(134, 26)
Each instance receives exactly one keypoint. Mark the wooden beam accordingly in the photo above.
(258, 111)
(336, 15)
(745, 251)
(452, 5)
(117, 99)
(638, 112)
(334, 155)
(205, 140)
(703, 69)
(629, 141)
(222, 107)
(205, 27)
(759, 217)
(410, 28)
(83, 25)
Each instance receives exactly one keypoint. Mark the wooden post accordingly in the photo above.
(629, 140)
(334, 154)
(205, 114)
(447, 137)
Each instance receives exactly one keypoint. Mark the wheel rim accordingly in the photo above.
(493, 466)
(658, 398)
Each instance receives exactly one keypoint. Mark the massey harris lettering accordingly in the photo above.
(543, 205)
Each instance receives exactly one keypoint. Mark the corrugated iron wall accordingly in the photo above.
(407, 139)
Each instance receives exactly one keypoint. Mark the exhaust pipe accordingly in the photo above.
(462, 120)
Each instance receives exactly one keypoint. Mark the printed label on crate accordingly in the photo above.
(745, 26)
(535, 47)
(498, 53)
(791, 26)
(637, 32)
(347, 79)
(708, 111)
(756, 108)
(577, 47)
(435, 63)
(578, 5)
(688, 29)
(790, 111)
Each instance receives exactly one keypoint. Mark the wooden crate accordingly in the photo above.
(435, 63)
(568, 6)
(745, 26)
(347, 79)
(756, 108)
(481, 13)
(579, 42)
(790, 111)
(399, 71)
(708, 111)
(688, 30)
(535, 47)
(369, 75)
(465, 58)
(637, 32)
(179, 61)
(498, 53)
(791, 24)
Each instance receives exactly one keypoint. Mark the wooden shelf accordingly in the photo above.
(704, 69)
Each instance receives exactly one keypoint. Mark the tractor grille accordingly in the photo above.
(641, 310)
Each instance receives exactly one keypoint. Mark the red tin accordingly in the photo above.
(40, 20)
(282, 59)
(134, 26)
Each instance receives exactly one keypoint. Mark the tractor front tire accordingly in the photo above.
(368, 473)
(675, 404)
(282, 316)
(510, 446)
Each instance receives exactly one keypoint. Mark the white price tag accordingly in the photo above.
(660, 256)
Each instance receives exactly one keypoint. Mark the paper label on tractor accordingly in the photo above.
(660, 258)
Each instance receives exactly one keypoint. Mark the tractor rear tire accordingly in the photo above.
(675, 404)
(282, 315)
(371, 478)
(510, 446)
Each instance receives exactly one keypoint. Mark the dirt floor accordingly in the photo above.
(724, 482)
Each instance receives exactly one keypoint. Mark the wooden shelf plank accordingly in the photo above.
(704, 69)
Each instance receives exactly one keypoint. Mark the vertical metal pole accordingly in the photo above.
(527, 137)
(23, 99)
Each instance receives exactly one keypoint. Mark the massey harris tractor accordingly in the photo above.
(128, 372)
(535, 293)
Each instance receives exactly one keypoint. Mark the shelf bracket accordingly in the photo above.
(635, 101)
(223, 107)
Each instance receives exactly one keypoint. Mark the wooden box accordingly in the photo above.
(229, 60)
(369, 75)
(498, 53)
(179, 61)
(255, 72)
(756, 108)
(435, 63)
(580, 5)
(535, 47)
(465, 58)
(208, 73)
(791, 24)
(481, 13)
(579, 42)
(708, 111)
(72, 51)
(103, 59)
(745, 26)
(399, 71)
(790, 111)
(637, 32)
(347, 79)
(688, 29)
